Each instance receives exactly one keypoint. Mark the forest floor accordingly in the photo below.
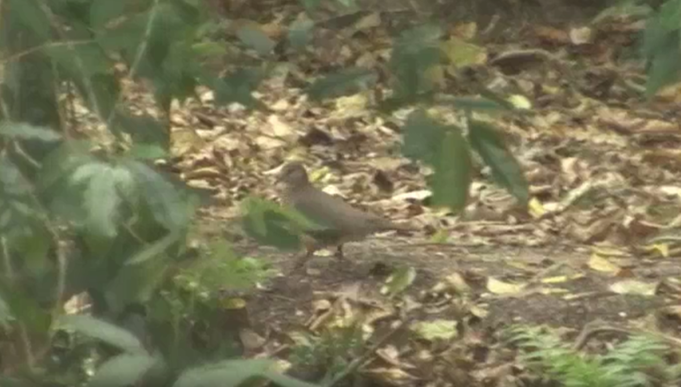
(598, 246)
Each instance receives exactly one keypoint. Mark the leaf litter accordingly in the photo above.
(600, 241)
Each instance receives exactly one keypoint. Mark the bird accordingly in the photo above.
(338, 221)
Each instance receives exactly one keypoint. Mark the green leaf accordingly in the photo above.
(154, 249)
(477, 104)
(345, 82)
(102, 196)
(415, 52)
(210, 50)
(165, 201)
(144, 130)
(399, 281)
(237, 87)
(299, 33)
(24, 131)
(103, 11)
(452, 178)
(122, 370)
(256, 39)
(26, 310)
(80, 60)
(269, 224)
(147, 152)
(506, 170)
(310, 5)
(670, 15)
(103, 331)
(423, 137)
(12, 382)
(286, 381)
(136, 283)
(5, 314)
(29, 13)
(664, 69)
(224, 374)
(125, 36)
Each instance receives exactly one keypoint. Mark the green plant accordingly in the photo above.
(329, 352)
(639, 361)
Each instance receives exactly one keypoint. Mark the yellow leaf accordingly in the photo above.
(634, 287)
(536, 208)
(662, 248)
(520, 102)
(555, 280)
(601, 264)
(436, 329)
(461, 53)
(499, 287)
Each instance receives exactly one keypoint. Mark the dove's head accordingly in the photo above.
(293, 174)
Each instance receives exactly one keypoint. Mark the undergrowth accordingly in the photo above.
(641, 360)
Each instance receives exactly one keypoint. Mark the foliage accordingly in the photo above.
(122, 230)
(328, 353)
(661, 46)
(639, 361)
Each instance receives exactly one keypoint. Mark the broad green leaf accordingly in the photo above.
(154, 249)
(136, 283)
(269, 224)
(125, 36)
(147, 152)
(175, 78)
(209, 50)
(103, 11)
(506, 170)
(13, 382)
(670, 15)
(164, 200)
(5, 314)
(144, 130)
(310, 5)
(80, 60)
(26, 310)
(103, 331)
(399, 281)
(255, 38)
(101, 197)
(664, 69)
(12, 182)
(415, 52)
(237, 87)
(345, 82)
(423, 137)
(224, 374)
(122, 371)
(30, 14)
(24, 131)
(299, 34)
(61, 164)
(285, 380)
(452, 178)
(476, 104)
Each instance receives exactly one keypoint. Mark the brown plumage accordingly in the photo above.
(339, 221)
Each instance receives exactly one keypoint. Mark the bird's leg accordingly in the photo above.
(310, 248)
(339, 252)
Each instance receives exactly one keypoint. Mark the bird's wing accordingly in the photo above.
(332, 212)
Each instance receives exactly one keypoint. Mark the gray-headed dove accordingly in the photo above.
(339, 222)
